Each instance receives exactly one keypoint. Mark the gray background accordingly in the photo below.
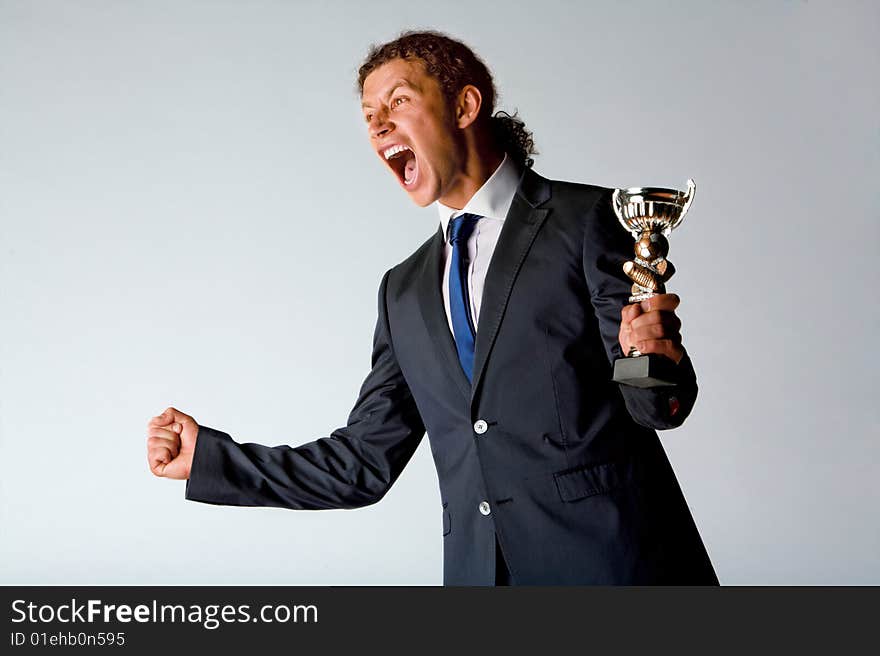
(190, 215)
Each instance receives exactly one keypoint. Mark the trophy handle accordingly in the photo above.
(692, 190)
(618, 211)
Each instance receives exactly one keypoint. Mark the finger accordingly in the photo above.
(629, 312)
(654, 331)
(666, 347)
(658, 317)
(181, 418)
(165, 433)
(661, 302)
(161, 420)
(159, 458)
(171, 432)
(173, 446)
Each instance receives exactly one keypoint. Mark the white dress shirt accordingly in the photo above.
(491, 202)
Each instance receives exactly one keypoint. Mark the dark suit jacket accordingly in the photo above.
(579, 488)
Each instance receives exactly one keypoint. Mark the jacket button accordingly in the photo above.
(484, 507)
(480, 426)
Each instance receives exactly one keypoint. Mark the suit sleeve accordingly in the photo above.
(355, 466)
(607, 245)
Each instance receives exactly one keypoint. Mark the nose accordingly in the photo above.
(380, 125)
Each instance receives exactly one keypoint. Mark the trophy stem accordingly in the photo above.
(649, 269)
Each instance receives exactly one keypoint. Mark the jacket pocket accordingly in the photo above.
(447, 520)
(590, 480)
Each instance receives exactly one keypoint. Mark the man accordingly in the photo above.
(497, 335)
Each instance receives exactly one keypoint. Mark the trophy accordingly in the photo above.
(649, 214)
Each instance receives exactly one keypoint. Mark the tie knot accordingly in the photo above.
(461, 227)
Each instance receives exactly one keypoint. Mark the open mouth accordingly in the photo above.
(404, 163)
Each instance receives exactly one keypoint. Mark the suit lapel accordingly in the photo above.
(434, 314)
(520, 227)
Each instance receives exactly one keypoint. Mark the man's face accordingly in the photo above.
(412, 129)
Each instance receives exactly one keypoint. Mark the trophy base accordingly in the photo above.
(645, 371)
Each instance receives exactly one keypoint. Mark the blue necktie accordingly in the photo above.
(460, 229)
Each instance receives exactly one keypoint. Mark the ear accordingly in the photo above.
(468, 106)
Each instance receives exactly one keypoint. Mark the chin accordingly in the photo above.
(424, 196)
(421, 200)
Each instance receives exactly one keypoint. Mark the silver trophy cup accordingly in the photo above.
(650, 214)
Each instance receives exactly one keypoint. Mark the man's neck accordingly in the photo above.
(478, 168)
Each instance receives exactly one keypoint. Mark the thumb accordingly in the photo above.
(630, 312)
(161, 419)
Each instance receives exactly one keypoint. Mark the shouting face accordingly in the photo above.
(412, 129)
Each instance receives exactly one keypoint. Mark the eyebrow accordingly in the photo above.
(397, 85)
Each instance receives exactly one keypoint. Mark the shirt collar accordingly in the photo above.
(492, 200)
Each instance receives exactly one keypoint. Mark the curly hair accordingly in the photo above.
(454, 65)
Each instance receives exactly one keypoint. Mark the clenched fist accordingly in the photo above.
(171, 442)
(652, 327)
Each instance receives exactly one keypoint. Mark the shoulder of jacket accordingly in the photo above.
(535, 188)
(580, 193)
(573, 204)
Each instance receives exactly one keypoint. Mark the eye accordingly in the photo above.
(399, 100)
(368, 118)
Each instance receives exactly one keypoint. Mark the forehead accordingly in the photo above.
(397, 71)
